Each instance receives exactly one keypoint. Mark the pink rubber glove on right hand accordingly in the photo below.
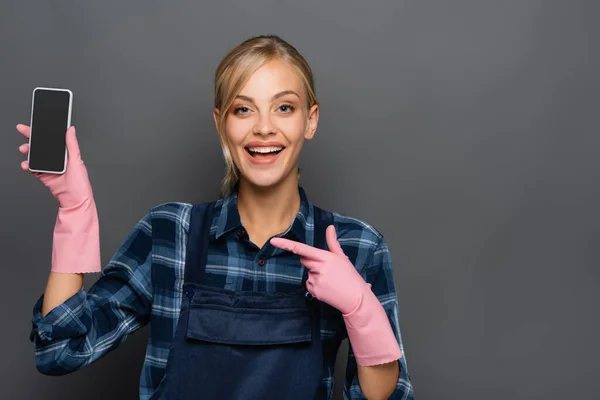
(76, 241)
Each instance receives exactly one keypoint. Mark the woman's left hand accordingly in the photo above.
(331, 276)
(333, 279)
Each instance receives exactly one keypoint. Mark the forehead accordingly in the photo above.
(271, 78)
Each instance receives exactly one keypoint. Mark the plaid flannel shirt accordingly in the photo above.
(142, 283)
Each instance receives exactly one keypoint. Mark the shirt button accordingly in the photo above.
(261, 262)
(242, 232)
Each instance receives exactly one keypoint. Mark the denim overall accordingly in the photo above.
(241, 345)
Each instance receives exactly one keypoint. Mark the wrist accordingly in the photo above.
(83, 204)
(366, 287)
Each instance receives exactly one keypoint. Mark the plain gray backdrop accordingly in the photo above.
(465, 131)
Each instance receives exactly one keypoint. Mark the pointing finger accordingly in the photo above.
(301, 249)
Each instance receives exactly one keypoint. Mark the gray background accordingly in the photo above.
(466, 132)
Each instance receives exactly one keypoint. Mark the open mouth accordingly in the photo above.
(258, 152)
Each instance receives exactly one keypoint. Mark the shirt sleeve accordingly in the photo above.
(379, 273)
(89, 325)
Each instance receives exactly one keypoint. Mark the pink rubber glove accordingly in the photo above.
(334, 280)
(76, 240)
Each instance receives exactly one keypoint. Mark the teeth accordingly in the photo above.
(264, 150)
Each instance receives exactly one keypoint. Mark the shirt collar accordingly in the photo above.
(228, 218)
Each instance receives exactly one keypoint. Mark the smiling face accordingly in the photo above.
(267, 124)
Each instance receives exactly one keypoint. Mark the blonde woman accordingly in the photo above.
(247, 297)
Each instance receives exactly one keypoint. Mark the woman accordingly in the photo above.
(247, 297)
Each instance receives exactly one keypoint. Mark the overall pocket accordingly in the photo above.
(232, 325)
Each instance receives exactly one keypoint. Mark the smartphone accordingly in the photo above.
(50, 118)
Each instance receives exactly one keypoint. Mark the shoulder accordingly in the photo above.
(359, 239)
(354, 229)
(173, 213)
(177, 212)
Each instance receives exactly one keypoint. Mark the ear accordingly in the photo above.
(313, 121)
(216, 114)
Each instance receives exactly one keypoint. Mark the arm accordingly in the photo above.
(59, 288)
(390, 380)
(83, 327)
(378, 381)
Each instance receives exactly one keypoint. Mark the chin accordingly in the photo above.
(267, 178)
(264, 180)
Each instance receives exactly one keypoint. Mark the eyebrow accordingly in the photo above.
(275, 97)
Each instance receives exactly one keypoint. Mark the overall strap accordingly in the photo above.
(197, 243)
(322, 220)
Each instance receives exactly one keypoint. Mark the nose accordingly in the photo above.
(264, 125)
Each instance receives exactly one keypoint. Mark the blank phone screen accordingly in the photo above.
(50, 120)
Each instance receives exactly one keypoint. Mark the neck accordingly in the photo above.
(268, 211)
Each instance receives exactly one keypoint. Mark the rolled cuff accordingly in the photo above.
(65, 320)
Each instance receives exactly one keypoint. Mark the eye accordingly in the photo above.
(286, 108)
(241, 110)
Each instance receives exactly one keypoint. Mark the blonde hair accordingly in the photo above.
(234, 71)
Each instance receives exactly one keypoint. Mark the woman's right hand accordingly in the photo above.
(72, 188)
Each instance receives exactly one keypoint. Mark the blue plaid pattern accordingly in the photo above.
(142, 283)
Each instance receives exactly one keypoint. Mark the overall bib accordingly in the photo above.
(241, 345)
